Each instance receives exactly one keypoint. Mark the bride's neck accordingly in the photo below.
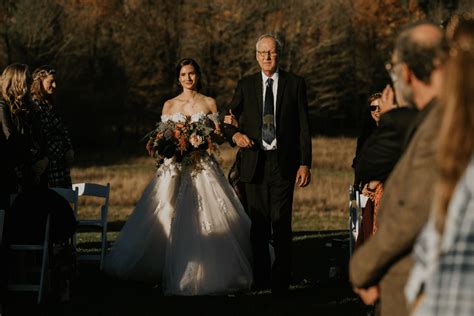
(189, 94)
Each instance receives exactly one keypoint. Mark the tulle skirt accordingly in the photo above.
(188, 232)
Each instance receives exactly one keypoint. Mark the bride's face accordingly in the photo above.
(188, 77)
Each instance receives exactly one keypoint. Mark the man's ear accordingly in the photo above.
(406, 74)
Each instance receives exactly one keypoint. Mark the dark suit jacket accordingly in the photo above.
(292, 125)
(385, 258)
(384, 147)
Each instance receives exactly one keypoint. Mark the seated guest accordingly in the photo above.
(58, 144)
(441, 281)
(379, 156)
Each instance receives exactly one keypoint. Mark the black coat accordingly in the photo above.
(22, 146)
(292, 124)
(383, 148)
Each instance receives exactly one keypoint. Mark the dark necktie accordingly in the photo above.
(268, 127)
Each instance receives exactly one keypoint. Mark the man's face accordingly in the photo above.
(267, 56)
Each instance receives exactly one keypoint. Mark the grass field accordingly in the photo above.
(320, 206)
(320, 246)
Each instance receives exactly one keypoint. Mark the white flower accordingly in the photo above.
(196, 140)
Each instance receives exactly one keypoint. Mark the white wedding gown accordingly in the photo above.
(188, 232)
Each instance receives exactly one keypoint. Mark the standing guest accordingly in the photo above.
(20, 130)
(21, 159)
(380, 154)
(369, 127)
(371, 121)
(273, 133)
(384, 260)
(58, 144)
(442, 278)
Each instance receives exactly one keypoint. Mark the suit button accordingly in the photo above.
(401, 203)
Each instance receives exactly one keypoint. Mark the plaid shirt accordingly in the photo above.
(444, 268)
(58, 143)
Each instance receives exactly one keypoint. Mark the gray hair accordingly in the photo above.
(273, 37)
(422, 58)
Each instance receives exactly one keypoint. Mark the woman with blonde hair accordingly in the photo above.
(20, 131)
(58, 143)
(442, 278)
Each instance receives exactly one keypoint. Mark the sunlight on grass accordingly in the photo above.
(320, 206)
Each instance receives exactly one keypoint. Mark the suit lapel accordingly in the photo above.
(281, 88)
(259, 92)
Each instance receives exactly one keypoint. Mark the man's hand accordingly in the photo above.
(231, 120)
(303, 176)
(387, 100)
(369, 295)
(242, 140)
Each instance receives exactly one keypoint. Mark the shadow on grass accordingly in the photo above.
(319, 287)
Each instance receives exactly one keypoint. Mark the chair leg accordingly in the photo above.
(44, 276)
(104, 247)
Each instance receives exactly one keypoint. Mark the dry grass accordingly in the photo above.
(321, 205)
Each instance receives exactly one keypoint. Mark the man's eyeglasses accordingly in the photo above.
(374, 108)
(265, 53)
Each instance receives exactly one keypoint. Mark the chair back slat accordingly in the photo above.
(92, 189)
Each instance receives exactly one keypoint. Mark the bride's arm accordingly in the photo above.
(213, 111)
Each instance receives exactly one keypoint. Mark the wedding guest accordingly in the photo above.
(20, 130)
(383, 260)
(379, 155)
(369, 124)
(441, 280)
(273, 133)
(58, 143)
(368, 210)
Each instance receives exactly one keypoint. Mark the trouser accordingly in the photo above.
(269, 204)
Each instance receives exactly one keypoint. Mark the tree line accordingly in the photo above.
(115, 59)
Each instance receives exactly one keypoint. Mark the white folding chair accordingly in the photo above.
(44, 248)
(99, 191)
(354, 217)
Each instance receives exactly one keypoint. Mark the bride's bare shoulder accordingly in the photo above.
(168, 106)
(211, 103)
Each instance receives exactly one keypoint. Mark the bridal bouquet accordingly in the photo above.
(185, 141)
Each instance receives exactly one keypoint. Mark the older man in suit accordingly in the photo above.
(274, 135)
(384, 261)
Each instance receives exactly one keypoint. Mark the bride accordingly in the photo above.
(188, 230)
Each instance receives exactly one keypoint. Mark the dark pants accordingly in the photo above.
(269, 204)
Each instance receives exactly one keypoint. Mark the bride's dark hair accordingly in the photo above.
(189, 61)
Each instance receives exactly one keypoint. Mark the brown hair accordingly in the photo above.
(456, 141)
(373, 97)
(37, 89)
(14, 84)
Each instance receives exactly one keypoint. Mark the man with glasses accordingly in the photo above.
(380, 267)
(274, 137)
